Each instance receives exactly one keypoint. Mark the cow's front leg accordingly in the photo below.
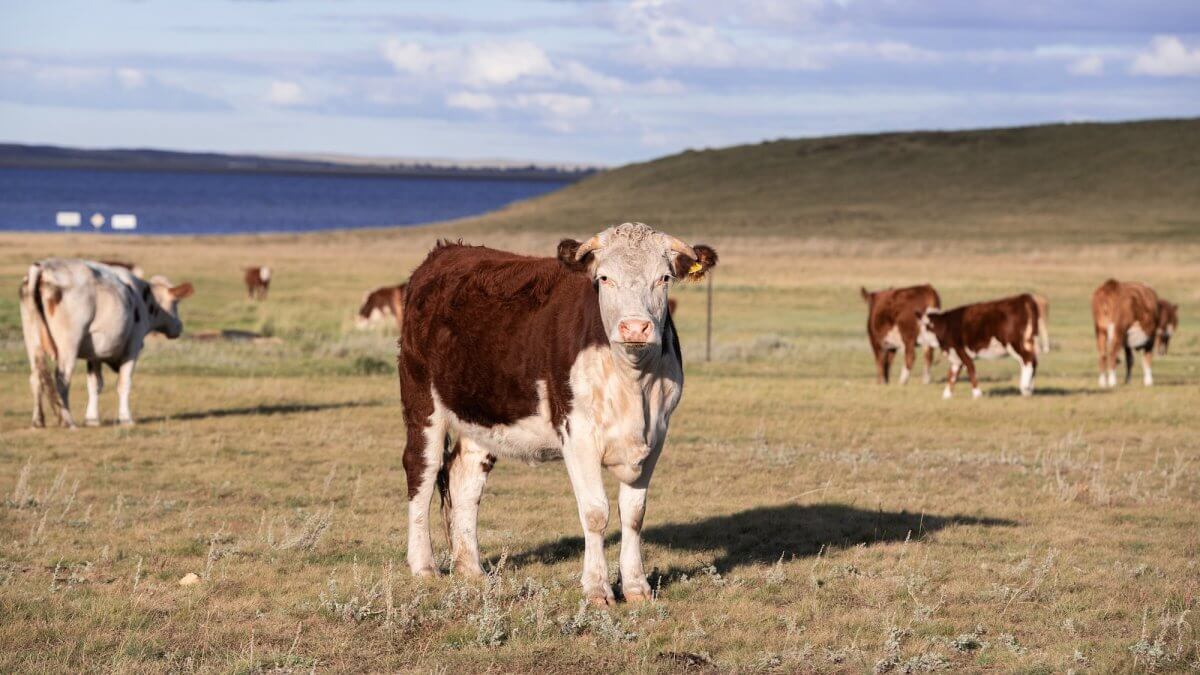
(95, 384)
(124, 385)
(584, 468)
(969, 362)
(927, 377)
(1128, 363)
(631, 499)
(910, 357)
(1147, 376)
(468, 473)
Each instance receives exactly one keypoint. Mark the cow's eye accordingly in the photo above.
(605, 280)
(666, 278)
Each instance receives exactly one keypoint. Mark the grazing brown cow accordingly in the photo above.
(1043, 305)
(379, 303)
(1168, 323)
(536, 359)
(892, 326)
(1126, 316)
(985, 330)
(258, 282)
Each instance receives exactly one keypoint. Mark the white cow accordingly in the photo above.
(74, 309)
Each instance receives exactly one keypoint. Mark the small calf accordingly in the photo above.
(379, 303)
(1168, 323)
(984, 330)
(258, 282)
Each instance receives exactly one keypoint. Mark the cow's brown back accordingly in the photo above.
(1122, 304)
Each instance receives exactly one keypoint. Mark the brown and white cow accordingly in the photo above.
(1043, 305)
(258, 282)
(892, 327)
(985, 330)
(380, 303)
(133, 268)
(1126, 316)
(73, 309)
(505, 355)
(1168, 324)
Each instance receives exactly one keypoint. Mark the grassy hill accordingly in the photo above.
(1133, 181)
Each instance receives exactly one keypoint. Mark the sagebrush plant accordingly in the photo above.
(802, 519)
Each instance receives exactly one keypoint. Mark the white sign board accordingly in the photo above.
(68, 219)
(124, 221)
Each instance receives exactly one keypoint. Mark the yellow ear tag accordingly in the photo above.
(696, 267)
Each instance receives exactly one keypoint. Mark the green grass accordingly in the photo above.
(1127, 182)
(801, 519)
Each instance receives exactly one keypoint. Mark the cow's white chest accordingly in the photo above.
(1136, 336)
(994, 350)
(892, 339)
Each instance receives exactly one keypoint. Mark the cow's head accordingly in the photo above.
(162, 301)
(264, 273)
(931, 328)
(633, 268)
(1168, 323)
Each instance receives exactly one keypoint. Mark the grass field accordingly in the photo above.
(801, 519)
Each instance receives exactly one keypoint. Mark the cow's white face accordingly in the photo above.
(165, 318)
(925, 335)
(633, 267)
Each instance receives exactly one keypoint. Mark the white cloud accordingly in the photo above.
(470, 100)
(1087, 66)
(131, 78)
(487, 64)
(1167, 57)
(283, 93)
(558, 105)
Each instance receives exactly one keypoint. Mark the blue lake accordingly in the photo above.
(170, 202)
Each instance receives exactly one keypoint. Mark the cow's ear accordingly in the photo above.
(694, 269)
(182, 291)
(567, 248)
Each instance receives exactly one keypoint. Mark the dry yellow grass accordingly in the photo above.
(802, 518)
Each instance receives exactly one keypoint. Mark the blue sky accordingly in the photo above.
(587, 81)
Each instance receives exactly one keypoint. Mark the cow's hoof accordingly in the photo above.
(91, 423)
(946, 393)
(127, 423)
(976, 393)
(38, 424)
(601, 600)
(637, 597)
(425, 573)
(468, 570)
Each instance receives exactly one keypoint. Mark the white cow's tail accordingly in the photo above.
(1044, 334)
(46, 345)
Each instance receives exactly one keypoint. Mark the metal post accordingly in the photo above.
(708, 330)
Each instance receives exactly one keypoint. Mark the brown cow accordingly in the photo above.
(1126, 317)
(985, 330)
(1168, 324)
(258, 282)
(381, 302)
(504, 355)
(1043, 305)
(892, 326)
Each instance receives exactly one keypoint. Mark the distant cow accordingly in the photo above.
(892, 326)
(985, 330)
(82, 309)
(1126, 316)
(258, 282)
(535, 359)
(379, 303)
(132, 267)
(1168, 324)
(1043, 305)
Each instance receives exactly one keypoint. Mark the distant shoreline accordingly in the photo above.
(17, 156)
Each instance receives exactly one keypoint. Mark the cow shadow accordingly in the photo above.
(259, 410)
(1046, 391)
(762, 535)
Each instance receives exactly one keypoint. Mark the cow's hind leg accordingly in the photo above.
(587, 480)
(124, 386)
(467, 474)
(1147, 376)
(62, 381)
(422, 461)
(1128, 363)
(910, 357)
(37, 357)
(888, 355)
(95, 384)
(927, 377)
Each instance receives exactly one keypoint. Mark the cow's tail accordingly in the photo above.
(46, 346)
(443, 484)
